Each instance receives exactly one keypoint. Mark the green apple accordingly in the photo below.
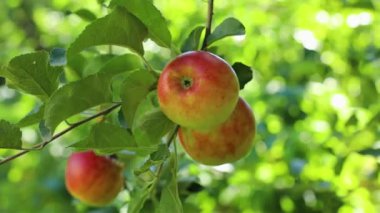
(198, 90)
(228, 142)
(93, 179)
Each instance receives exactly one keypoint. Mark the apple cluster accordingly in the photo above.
(200, 92)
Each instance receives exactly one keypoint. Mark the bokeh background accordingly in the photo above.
(315, 94)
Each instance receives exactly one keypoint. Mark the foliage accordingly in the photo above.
(314, 92)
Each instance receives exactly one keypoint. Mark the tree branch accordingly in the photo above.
(208, 23)
(73, 126)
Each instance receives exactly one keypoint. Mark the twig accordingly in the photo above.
(73, 126)
(208, 23)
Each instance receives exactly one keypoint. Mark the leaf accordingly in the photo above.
(85, 14)
(113, 64)
(371, 151)
(151, 17)
(374, 120)
(139, 199)
(229, 27)
(118, 28)
(133, 90)
(150, 124)
(353, 120)
(161, 154)
(107, 137)
(144, 172)
(88, 92)
(243, 72)
(77, 64)
(32, 74)
(10, 136)
(94, 64)
(75, 97)
(121, 63)
(170, 202)
(33, 117)
(366, 137)
(193, 40)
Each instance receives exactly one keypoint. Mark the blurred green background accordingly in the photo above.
(315, 95)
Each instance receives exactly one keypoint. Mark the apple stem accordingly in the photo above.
(73, 126)
(208, 22)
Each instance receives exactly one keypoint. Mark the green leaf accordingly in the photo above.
(229, 27)
(110, 138)
(112, 64)
(371, 151)
(243, 72)
(374, 120)
(77, 65)
(10, 136)
(119, 64)
(88, 92)
(161, 154)
(107, 137)
(145, 168)
(193, 40)
(32, 74)
(35, 116)
(133, 90)
(151, 17)
(94, 64)
(150, 124)
(170, 202)
(122, 63)
(118, 28)
(139, 199)
(75, 97)
(366, 137)
(353, 120)
(85, 14)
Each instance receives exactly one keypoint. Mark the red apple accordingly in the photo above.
(226, 143)
(198, 90)
(95, 180)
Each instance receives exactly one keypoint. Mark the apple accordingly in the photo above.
(228, 142)
(93, 179)
(198, 90)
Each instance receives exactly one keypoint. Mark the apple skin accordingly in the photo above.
(198, 90)
(226, 143)
(94, 180)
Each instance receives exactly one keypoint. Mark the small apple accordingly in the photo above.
(226, 143)
(198, 90)
(94, 180)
